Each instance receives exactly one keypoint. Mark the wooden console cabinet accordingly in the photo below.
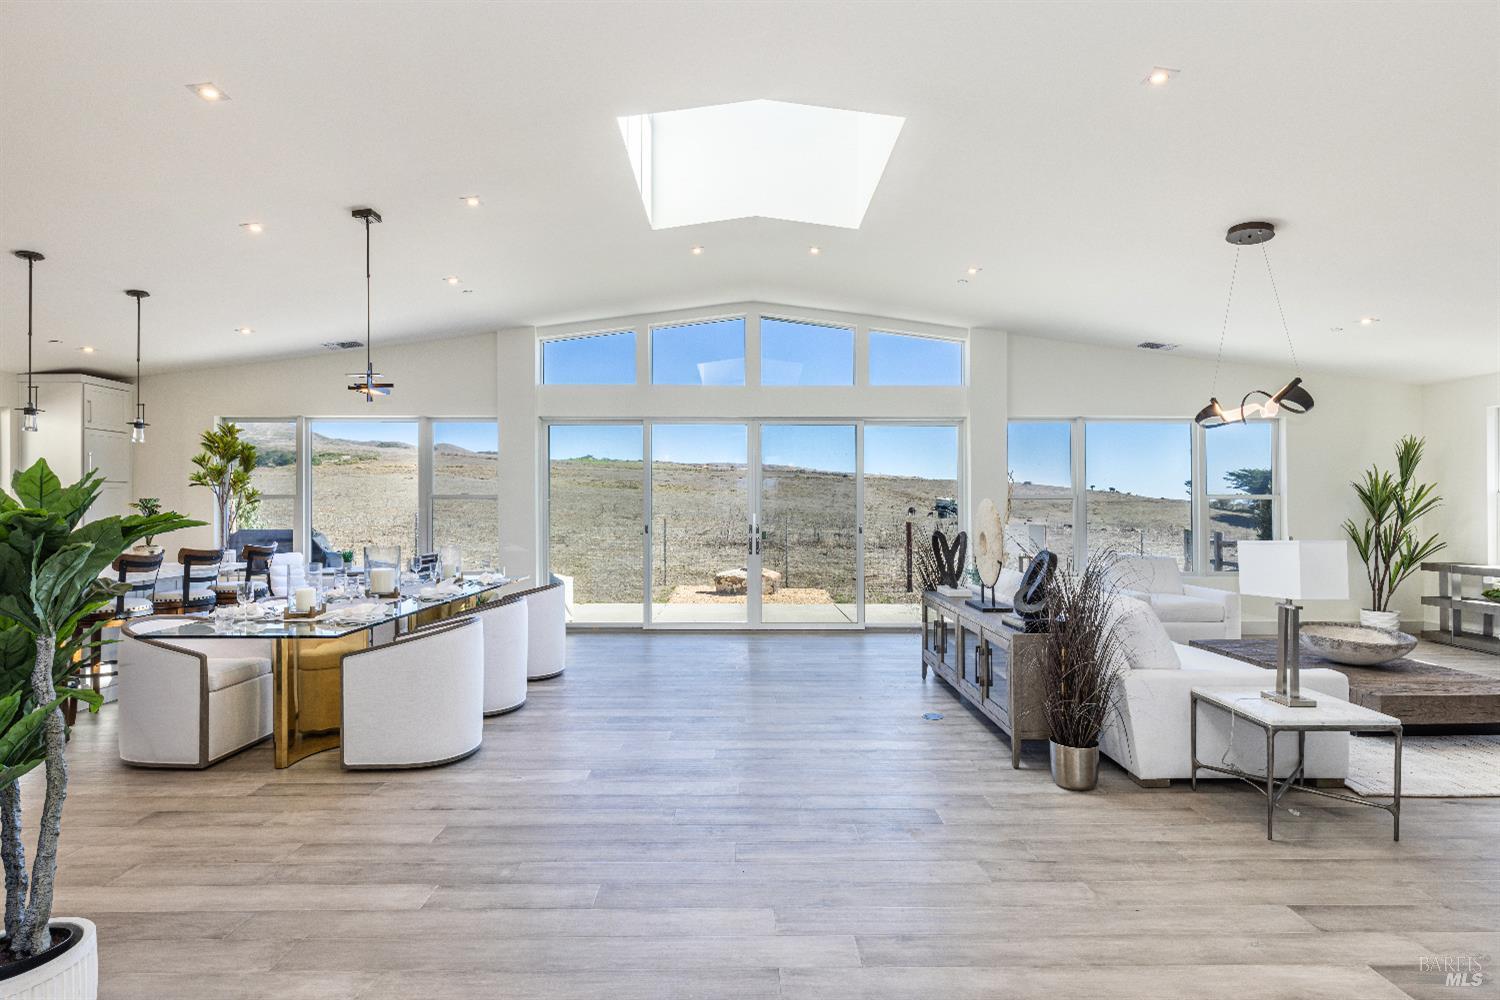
(989, 664)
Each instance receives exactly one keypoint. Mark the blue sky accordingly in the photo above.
(1145, 458)
(713, 353)
(928, 452)
(476, 436)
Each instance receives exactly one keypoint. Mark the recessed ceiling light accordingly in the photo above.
(210, 92)
(243, 331)
(472, 200)
(1368, 320)
(1160, 75)
(452, 279)
(252, 227)
(974, 270)
(697, 251)
(814, 250)
(87, 350)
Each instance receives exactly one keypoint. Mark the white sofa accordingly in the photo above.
(190, 702)
(1149, 733)
(1189, 612)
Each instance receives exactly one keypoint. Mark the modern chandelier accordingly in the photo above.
(368, 382)
(138, 425)
(30, 410)
(1292, 397)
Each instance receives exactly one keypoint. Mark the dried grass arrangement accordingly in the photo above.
(1084, 653)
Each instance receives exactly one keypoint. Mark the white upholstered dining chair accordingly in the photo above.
(546, 632)
(188, 702)
(505, 644)
(416, 701)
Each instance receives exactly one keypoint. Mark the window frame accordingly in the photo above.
(614, 331)
(760, 351)
(427, 478)
(1198, 495)
(648, 375)
(219, 532)
(963, 359)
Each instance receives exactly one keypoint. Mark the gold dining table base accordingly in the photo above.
(308, 699)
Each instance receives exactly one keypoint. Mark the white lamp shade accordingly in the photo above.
(1297, 571)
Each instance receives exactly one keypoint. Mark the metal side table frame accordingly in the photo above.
(1272, 787)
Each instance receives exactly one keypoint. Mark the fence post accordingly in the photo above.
(1217, 541)
(1187, 546)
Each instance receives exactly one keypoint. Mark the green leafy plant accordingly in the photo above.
(146, 506)
(1387, 540)
(223, 467)
(49, 583)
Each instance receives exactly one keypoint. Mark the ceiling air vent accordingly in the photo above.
(342, 345)
(1155, 345)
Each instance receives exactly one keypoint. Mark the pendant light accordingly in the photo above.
(138, 425)
(30, 410)
(368, 382)
(1292, 397)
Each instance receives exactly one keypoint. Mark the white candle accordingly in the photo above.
(304, 598)
(382, 579)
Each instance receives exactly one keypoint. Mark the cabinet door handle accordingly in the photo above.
(89, 461)
(90, 404)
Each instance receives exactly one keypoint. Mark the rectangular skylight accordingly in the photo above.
(758, 158)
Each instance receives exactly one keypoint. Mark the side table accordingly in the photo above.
(1329, 715)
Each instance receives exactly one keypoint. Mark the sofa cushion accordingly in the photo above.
(1144, 642)
(1153, 574)
(227, 671)
(1181, 608)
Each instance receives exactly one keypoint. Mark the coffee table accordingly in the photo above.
(1420, 694)
(1329, 715)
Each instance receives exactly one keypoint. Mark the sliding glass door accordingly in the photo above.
(702, 570)
(747, 523)
(596, 499)
(809, 524)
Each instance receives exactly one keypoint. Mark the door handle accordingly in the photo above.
(90, 404)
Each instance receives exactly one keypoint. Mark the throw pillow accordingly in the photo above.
(1143, 639)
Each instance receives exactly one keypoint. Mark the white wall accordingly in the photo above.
(1461, 424)
(1355, 422)
(441, 378)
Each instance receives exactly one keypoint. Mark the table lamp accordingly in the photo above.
(1293, 571)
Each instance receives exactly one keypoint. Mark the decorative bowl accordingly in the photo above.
(1355, 645)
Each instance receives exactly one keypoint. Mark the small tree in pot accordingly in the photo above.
(1083, 662)
(1387, 541)
(50, 564)
(223, 467)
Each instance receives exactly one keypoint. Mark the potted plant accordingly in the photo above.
(146, 507)
(49, 582)
(223, 467)
(1082, 664)
(1387, 540)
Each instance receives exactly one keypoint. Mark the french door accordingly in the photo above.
(743, 523)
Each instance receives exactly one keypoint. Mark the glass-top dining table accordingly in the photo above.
(307, 654)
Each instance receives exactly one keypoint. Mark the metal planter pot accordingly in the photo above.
(1074, 768)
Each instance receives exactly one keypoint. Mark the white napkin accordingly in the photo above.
(445, 589)
(356, 613)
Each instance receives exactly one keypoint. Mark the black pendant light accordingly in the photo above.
(30, 410)
(1292, 397)
(138, 425)
(368, 382)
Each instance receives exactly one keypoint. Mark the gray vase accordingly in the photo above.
(1074, 768)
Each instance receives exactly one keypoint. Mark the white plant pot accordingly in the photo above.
(1388, 620)
(72, 975)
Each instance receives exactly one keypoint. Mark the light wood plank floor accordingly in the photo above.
(731, 816)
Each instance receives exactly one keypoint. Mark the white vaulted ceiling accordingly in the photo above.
(1095, 205)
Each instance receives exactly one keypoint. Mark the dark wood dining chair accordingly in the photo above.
(257, 560)
(200, 571)
(427, 562)
(140, 573)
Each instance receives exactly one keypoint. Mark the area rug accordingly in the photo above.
(1432, 767)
